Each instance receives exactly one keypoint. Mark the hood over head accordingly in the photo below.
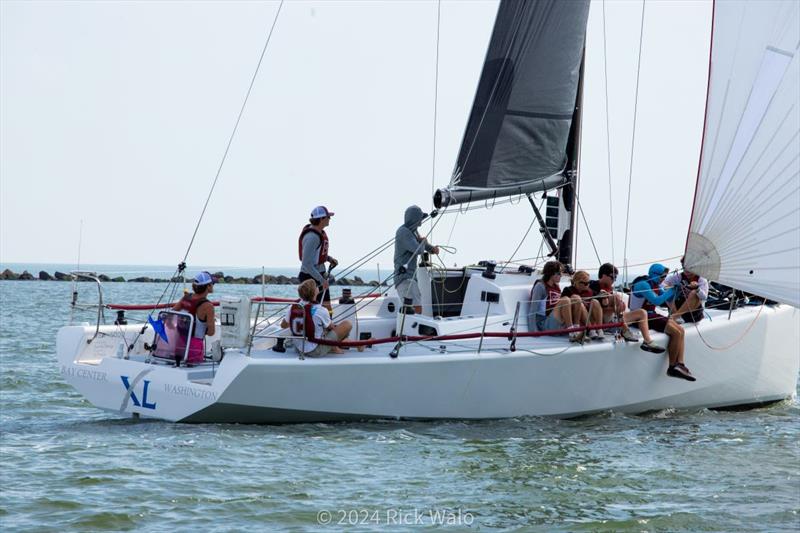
(414, 217)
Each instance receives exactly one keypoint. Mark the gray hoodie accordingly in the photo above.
(408, 245)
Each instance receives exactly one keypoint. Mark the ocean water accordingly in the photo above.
(65, 465)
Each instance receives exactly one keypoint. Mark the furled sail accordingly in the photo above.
(516, 136)
(745, 228)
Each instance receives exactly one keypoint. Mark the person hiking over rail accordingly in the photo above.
(613, 306)
(691, 293)
(407, 246)
(313, 250)
(549, 310)
(647, 293)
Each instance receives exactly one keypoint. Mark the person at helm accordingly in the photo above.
(313, 250)
(647, 293)
(198, 305)
(407, 246)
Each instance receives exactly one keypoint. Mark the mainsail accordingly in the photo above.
(518, 130)
(745, 228)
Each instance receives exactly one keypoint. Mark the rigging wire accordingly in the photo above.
(608, 142)
(633, 140)
(435, 103)
(533, 221)
(233, 133)
(589, 231)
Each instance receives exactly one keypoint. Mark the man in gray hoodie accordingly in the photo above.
(408, 244)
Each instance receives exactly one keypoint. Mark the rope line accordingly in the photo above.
(233, 133)
(633, 140)
(608, 140)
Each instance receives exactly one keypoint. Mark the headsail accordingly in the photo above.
(517, 133)
(745, 228)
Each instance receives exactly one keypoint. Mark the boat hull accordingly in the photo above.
(750, 358)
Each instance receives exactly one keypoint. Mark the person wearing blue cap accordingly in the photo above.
(647, 293)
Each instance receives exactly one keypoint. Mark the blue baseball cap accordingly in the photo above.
(204, 278)
(657, 270)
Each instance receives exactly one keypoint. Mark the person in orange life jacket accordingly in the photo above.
(313, 250)
(646, 294)
(613, 304)
(691, 293)
(548, 309)
(198, 305)
(310, 320)
(582, 297)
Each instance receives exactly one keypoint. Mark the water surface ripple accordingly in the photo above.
(67, 465)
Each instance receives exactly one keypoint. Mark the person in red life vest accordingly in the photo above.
(548, 309)
(198, 305)
(690, 295)
(584, 304)
(647, 293)
(613, 307)
(313, 250)
(312, 321)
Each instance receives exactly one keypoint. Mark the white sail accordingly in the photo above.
(745, 228)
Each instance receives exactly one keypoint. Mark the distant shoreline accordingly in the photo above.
(221, 277)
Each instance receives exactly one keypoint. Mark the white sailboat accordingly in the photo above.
(469, 355)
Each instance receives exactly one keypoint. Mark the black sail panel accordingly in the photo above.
(517, 133)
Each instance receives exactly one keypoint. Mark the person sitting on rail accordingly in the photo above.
(311, 321)
(691, 293)
(313, 250)
(549, 310)
(584, 303)
(613, 306)
(646, 294)
(407, 246)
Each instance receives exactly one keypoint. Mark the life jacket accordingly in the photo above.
(553, 296)
(323, 239)
(190, 305)
(301, 322)
(646, 304)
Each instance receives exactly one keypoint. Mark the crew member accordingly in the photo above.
(646, 294)
(691, 293)
(313, 250)
(407, 246)
(198, 305)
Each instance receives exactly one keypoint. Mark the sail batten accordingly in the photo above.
(516, 137)
(745, 229)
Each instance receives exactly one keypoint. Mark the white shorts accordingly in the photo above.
(408, 288)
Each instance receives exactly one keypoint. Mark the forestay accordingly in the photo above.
(516, 136)
(745, 228)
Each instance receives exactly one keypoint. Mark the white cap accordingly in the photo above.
(321, 212)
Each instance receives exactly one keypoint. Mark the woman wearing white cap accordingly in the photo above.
(313, 250)
(198, 305)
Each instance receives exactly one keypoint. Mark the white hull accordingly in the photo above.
(561, 380)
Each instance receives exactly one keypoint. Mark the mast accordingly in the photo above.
(569, 194)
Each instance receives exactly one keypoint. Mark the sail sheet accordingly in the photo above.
(745, 228)
(517, 133)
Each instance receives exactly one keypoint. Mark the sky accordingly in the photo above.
(114, 117)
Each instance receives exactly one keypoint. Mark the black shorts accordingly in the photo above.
(655, 322)
(324, 296)
(689, 316)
